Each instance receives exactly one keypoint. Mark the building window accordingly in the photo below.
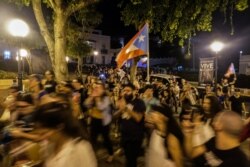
(104, 51)
(6, 55)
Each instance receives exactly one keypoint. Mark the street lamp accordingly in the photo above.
(241, 53)
(67, 59)
(18, 28)
(24, 54)
(216, 47)
(96, 53)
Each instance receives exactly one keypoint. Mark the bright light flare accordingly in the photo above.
(18, 28)
(217, 46)
(95, 53)
(67, 59)
(23, 53)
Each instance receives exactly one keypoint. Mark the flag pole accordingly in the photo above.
(148, 56)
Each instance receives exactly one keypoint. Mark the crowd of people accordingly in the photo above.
(170, 125)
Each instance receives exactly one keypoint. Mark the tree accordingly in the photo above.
(77, 47)
(177, 19)
(54, 32)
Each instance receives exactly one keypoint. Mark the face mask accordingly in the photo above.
(128, 98)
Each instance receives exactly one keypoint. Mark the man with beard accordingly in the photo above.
(131, 114)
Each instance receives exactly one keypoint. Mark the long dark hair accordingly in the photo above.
(56, 113)
(172, 125)
(215, 105)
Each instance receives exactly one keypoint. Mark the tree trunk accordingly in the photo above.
(133, 69)
(37, 8)
(61, 70)
(57, 44)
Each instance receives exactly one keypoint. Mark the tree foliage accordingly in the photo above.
(78, 31)
(179, 19)
(77, 46)
(54, 29)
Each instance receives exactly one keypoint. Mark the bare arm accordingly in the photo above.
(30, 136)
(117, 114)
(190, 150)
(244, 107)
(175, 150)
(89, 101)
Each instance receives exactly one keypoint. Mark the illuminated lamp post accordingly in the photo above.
(96, 53)
(24, 54)
(19, 29)
(216, 46)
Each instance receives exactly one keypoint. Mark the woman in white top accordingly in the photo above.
(165, 145)
(67, 144)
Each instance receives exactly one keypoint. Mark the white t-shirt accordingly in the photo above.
(74, 154)
(156, 155)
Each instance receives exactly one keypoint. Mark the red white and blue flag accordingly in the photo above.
(230, 71)
(137, 46)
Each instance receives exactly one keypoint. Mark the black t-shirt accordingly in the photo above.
(50, 86)
(221, 158)
(130, 129)
(83, 96)
(236, 104)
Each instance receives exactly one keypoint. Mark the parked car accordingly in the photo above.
(165, 78)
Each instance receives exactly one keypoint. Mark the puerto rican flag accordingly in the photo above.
(137, 46)
(230, 71)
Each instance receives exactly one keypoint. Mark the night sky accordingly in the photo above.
(240, 41)
(113, 26)
(111, 23)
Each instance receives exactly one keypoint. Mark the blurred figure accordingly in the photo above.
(66, 88)
(81, 92)
(202, 118)
(189, 94)
(131, 114)
(222, 150)
(208, 92)
(165, 145)
(23, 115)
(50, 83)
(67, 142)
(211, 106)
(221, 97)
(36, 87)
(149, 99)
(99, 105)
(9, 105)
(236, 103)
(246, 131)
